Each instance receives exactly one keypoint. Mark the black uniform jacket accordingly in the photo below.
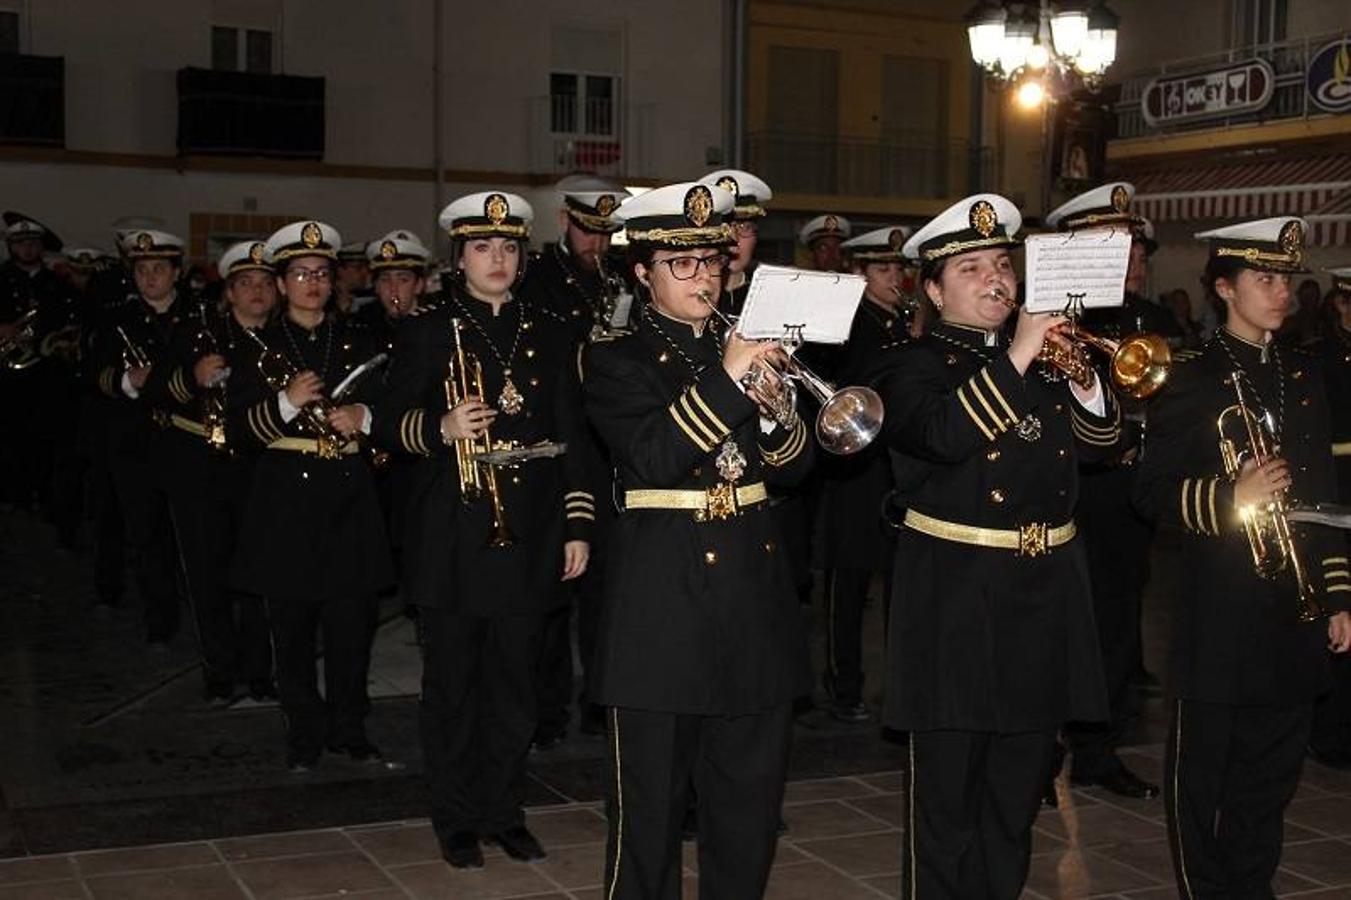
(1335, 353)
(853, 534)
(698, 617)
(986, 639)
(131, 421)
(312, 527)
(1235, 636)
(447, 560)
(554, 282)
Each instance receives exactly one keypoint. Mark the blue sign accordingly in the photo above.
(1329, 77)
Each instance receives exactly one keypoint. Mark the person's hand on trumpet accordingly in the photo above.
(740, 357)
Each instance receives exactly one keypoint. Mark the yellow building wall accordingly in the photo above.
(862, 40)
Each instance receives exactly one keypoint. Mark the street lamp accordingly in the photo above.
(1046, 51)
(1066, 45)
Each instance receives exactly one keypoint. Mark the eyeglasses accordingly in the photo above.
(745, 228)
(683, 268)
(304, 275)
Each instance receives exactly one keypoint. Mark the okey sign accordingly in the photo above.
(1238, 88)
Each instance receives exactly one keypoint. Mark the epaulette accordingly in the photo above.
(1186, 355)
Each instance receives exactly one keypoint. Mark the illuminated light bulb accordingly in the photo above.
(1030, 94)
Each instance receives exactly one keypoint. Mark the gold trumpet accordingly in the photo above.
(1139, 363)
(464, 381)
(277, 371)
(133, 356)
(213, 401)
(849, 418)
(1267, 526)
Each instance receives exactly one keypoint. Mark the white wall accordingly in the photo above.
(376, 59)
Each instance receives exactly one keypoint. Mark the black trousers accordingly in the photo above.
(736, 764)
(477, 716)
(110, 561)
(1331, 732)
(347, 624)
(972, 800)
(555, 676)
(149, 539)
(846, 596)
(206, 499)
(1229, 772)
(1118, 542)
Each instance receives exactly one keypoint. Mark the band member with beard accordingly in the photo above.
(701, 651)
(749, 194)
(853, 540)
(992, 643)
(1249, 652)
(207, 474)
(486, 548)
(133, 338)
(312, 542)
(573, 279)
(1116, 538)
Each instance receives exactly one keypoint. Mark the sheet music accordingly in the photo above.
(1088, 263)
(819, 304)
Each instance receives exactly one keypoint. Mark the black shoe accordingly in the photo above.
(298, 762)
(1049, 798)
(462, 851)
(262, 691)
(548, 738)
(1332, 757)
(852, 711)
(1120, 781)
(689, 826)
(220, 695)
(362, 751)
(518, 843)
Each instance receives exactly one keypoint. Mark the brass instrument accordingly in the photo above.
(611, 287)
(17, 351)
(133, 356)
(464, 381)
(213, 402)
(849, 418)
(277, 371)
(1267, 526)
(1139, 363)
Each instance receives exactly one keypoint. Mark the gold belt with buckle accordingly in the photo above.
(1034, 539)
(1342, 449)
(319, 448)
(722, 501)
(185, 424)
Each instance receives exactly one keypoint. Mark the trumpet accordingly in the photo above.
(1266, 526)
(611, 286)
(133, 356)
(849, 418)
(464, 381)
(1139, 364)
(213, 402)
(277, 372)
(17, 351)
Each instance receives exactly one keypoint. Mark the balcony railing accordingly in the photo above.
(597, 136)
(902, 165)
(1289, 100)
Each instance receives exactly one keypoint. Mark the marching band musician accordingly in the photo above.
(1330, 739)
(131, 339)
(1116, 539)
(853, 540)
(992, 643)
(312, 541)
(749, 194)
(571, 277)
(207, 478)
(1245, 669)
(702, 650)
(485, 570)
(822, 236)
(398, 265)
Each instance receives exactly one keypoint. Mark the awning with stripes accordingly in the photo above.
(1316, 187)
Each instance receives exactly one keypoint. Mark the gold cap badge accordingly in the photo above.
(983, 218)
(1120, 198)
(256, 250)
(388, 250)
(605, 204)
(698, 205)
(496, 208)
(896, 239)
(144, 241)
(311, 235)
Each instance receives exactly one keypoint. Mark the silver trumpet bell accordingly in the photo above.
(849, 418)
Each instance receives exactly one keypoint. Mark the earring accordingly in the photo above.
(938, 305)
